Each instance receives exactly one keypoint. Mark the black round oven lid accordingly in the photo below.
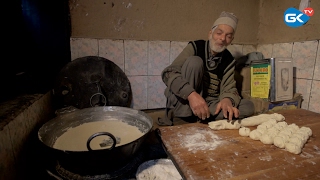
(92, 81)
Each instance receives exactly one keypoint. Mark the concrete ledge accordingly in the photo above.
(19, 122)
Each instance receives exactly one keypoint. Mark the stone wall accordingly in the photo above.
(20, 153)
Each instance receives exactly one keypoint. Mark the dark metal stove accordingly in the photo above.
(148, 152)
(125, 172)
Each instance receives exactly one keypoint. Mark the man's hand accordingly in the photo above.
(227, 109)
(198, 106)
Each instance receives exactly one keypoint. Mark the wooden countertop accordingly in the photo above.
(201, 153)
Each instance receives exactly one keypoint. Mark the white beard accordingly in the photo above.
(214, 47)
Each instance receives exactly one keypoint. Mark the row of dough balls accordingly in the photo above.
(290, 137)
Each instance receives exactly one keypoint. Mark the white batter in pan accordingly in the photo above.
(75, 139)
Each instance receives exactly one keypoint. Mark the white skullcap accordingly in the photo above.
(227, 18)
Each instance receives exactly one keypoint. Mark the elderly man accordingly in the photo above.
(200, 81)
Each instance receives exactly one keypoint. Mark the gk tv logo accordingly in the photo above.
(295, 18)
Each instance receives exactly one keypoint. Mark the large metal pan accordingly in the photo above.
(93, 162)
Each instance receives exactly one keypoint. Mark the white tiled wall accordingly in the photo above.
(143, 61)
(112, 49)
(84, 47)
(175, 49)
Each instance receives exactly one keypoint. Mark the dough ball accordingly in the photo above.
(291, 129)
(255, 135)
(293, 126)
(303, 135)
(306, 129)
(273, 121)
(297, 141)
(285, 136)
(263, 116)
(272, 133)
(273, 129)
(268, 124)
(261, 130)
(223, 124)
(278, 127)
(299, 136)
(278, 117)
(251, 118)
(217, 125)
(283, 124)
(295, 149)
(262, 127)
(279, 141)
(244, 131)
(285, 131)
(266, 139)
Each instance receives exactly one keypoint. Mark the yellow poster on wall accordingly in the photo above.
(260, 80)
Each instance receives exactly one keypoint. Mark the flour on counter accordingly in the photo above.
(265, 158)
(201, 140)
